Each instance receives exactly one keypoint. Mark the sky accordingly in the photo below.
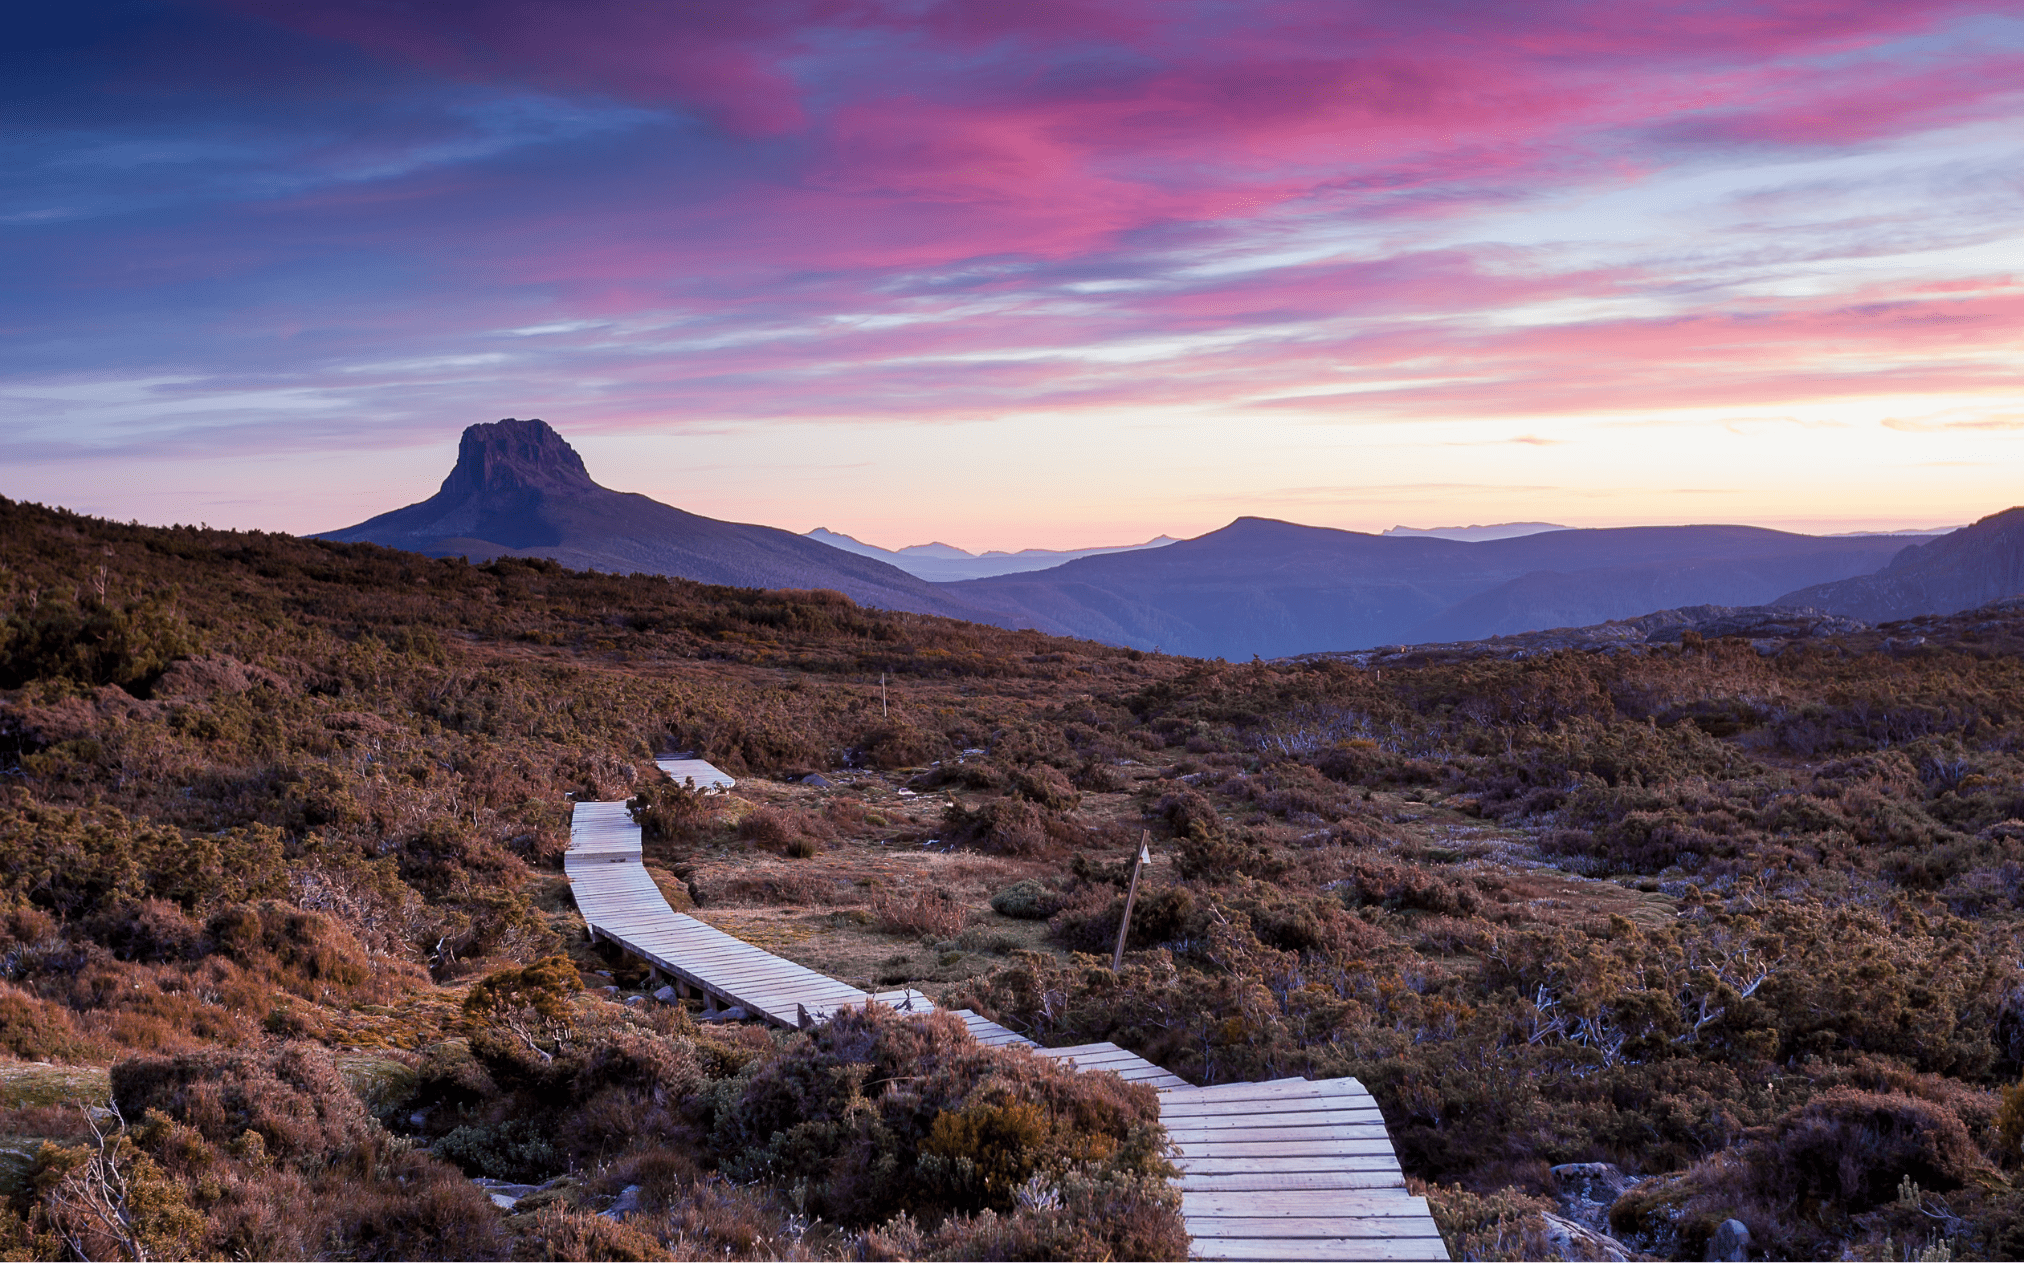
(1039, 274)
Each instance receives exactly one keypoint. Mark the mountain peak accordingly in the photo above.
(516, 455)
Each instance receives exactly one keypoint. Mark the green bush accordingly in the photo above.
(515, 1150)
(1027, 900)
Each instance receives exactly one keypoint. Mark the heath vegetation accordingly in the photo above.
(286, 958)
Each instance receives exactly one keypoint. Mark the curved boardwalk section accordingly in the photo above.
(620, 902)
(1292, 1169)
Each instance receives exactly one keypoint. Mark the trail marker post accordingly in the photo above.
(1145, 857)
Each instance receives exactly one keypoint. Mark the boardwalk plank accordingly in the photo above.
(1206, 1163)
(1298, 1251)
(1291, 1148)
(1287, 1228)
(1294, 1106)
(1258, 1182)
(1205, 1139)
(1298, 1203)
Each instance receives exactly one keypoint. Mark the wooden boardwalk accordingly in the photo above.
(682, 769)
(620, 903)
(1293, 1169)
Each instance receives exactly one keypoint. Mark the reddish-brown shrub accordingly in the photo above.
(856, 1109)
(304, 951)
(1046, 786)
(564, 1233)
(33, 1029)
(147, 930)
(295, 1098)
(1005, 826)
(784, 834)
(901, 745)
(1386, 883)
(1852, 1148)
(920, 913)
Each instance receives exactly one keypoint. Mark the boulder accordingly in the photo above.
(626, 1204)
(1731, 1242)
(666, 995)
(504, 1195)
(1570, 1240)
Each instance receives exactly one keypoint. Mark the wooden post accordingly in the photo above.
(1131, 897)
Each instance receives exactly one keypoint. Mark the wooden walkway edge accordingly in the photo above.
(1292, 1169)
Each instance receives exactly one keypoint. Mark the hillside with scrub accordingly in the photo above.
(288, 966)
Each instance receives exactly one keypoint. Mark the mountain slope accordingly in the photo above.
(1275, 588)
(519, 489)
(1974, 565)
(1557, 598)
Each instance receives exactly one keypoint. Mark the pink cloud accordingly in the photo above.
(942, 132)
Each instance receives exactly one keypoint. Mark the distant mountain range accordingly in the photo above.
(946, 563)
(1257, 586)
(519, 490)
(1275, 588)
(1477, 534)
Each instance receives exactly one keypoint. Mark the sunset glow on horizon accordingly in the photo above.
(1046, 274)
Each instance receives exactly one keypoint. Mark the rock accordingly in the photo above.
(666, 995)
(15, 1165)
(504, 1195)
(634, 1001)
(1586, 1191)
(818, 780)
(1731, 1242)
(611, 992)
(1570, 1240)
(627, 1203)
(733, 1014)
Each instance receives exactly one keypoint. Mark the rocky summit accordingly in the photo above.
(520, 490)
